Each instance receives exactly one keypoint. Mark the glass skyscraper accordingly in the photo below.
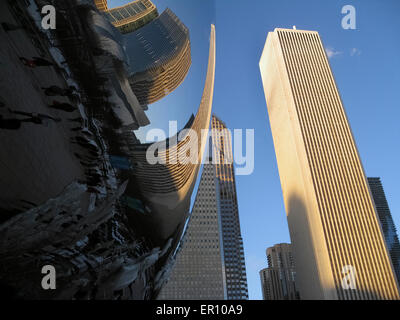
(210, 264)
(158, 47)
(132, 16)
(129, 17)
(388, 227)
(160, 57)
(166, 188)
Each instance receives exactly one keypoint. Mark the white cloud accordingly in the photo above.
(355, 52)
(331, 52)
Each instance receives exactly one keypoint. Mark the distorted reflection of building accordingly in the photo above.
(90, 221)
(111, 64)
(278, 281)
(210, 262)
(101, 5)
(131, 16)
(166, 188)
(387, 223)
(158, 47)
(160, 57)
(158, 196)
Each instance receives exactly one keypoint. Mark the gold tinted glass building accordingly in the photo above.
(131, 16)
(101, 5)
(332, 219)
(158, 47)
(160, 57)
(167, 187)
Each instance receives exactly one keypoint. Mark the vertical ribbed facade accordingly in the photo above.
(331, 216)
(278, 281)
(387, 223)
(160, 57)
(210, 265)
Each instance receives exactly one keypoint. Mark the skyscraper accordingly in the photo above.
(158, 47)
(131, 16)
(278, 281)
(388, 227)
(210, 264)
(160, 57)
(335, 231)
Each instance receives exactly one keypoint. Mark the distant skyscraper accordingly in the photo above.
(332, 221)
(160, 57)
(388, 227)
(210, 264)
(131, 16)
(278, 281)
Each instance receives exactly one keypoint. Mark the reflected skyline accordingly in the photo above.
(184, 100)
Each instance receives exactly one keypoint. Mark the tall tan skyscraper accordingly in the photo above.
(335, 231)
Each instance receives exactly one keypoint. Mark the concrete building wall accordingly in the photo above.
(279, 279)
(270, 284)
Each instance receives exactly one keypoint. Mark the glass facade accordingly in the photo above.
(132, 16)
(160, 57)
(210, 264)
(387, 223)
(129, 17)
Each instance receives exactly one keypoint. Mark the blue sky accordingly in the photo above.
(366, 66)
(368, 81)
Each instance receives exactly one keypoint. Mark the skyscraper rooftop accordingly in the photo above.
(131, 16)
